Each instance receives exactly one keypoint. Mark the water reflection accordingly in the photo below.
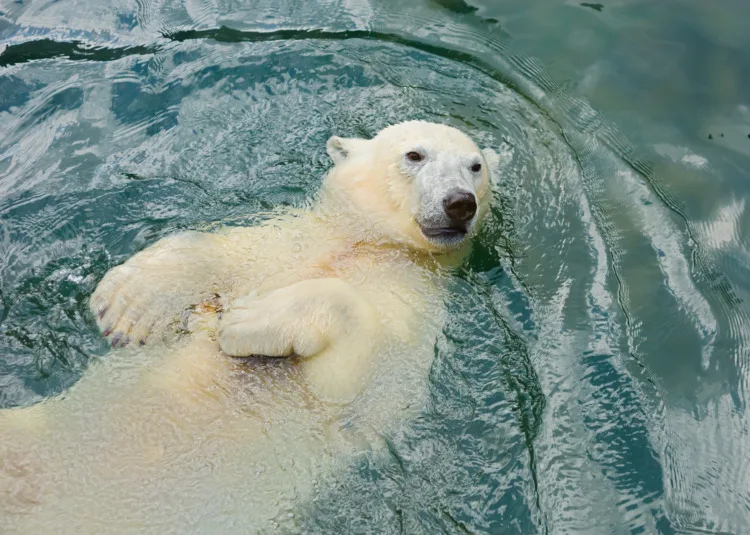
(592, 376)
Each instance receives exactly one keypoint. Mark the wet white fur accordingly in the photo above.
(152, 436)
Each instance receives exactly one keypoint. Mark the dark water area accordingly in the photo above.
(593, 374)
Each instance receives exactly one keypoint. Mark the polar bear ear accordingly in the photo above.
(492, 159)
(493, 164)
(339, 148)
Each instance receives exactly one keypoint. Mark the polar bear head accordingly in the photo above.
(420, 183)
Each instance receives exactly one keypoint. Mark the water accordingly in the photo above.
(592, 374)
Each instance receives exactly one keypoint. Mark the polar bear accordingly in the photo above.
(345, 295)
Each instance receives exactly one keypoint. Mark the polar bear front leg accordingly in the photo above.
(151, 289)
(326, 322)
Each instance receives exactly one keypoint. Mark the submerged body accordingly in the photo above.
(347, 294)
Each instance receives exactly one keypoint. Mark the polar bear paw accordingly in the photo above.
(150, 291)
(124, 309)
(273, 326)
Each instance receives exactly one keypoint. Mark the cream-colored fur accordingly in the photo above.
(349, 292)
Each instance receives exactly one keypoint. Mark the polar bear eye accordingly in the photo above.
(414, 156)
(476, 167)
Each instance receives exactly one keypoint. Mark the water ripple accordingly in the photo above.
(593, 374)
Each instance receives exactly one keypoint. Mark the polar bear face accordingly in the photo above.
(420, 183)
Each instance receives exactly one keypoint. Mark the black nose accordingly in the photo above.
(460, 206)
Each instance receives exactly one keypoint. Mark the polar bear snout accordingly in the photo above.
(460, 206)
(448, 225)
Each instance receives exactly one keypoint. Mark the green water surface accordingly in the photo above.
(592, 377)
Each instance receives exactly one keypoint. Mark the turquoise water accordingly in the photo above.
(593, 374)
